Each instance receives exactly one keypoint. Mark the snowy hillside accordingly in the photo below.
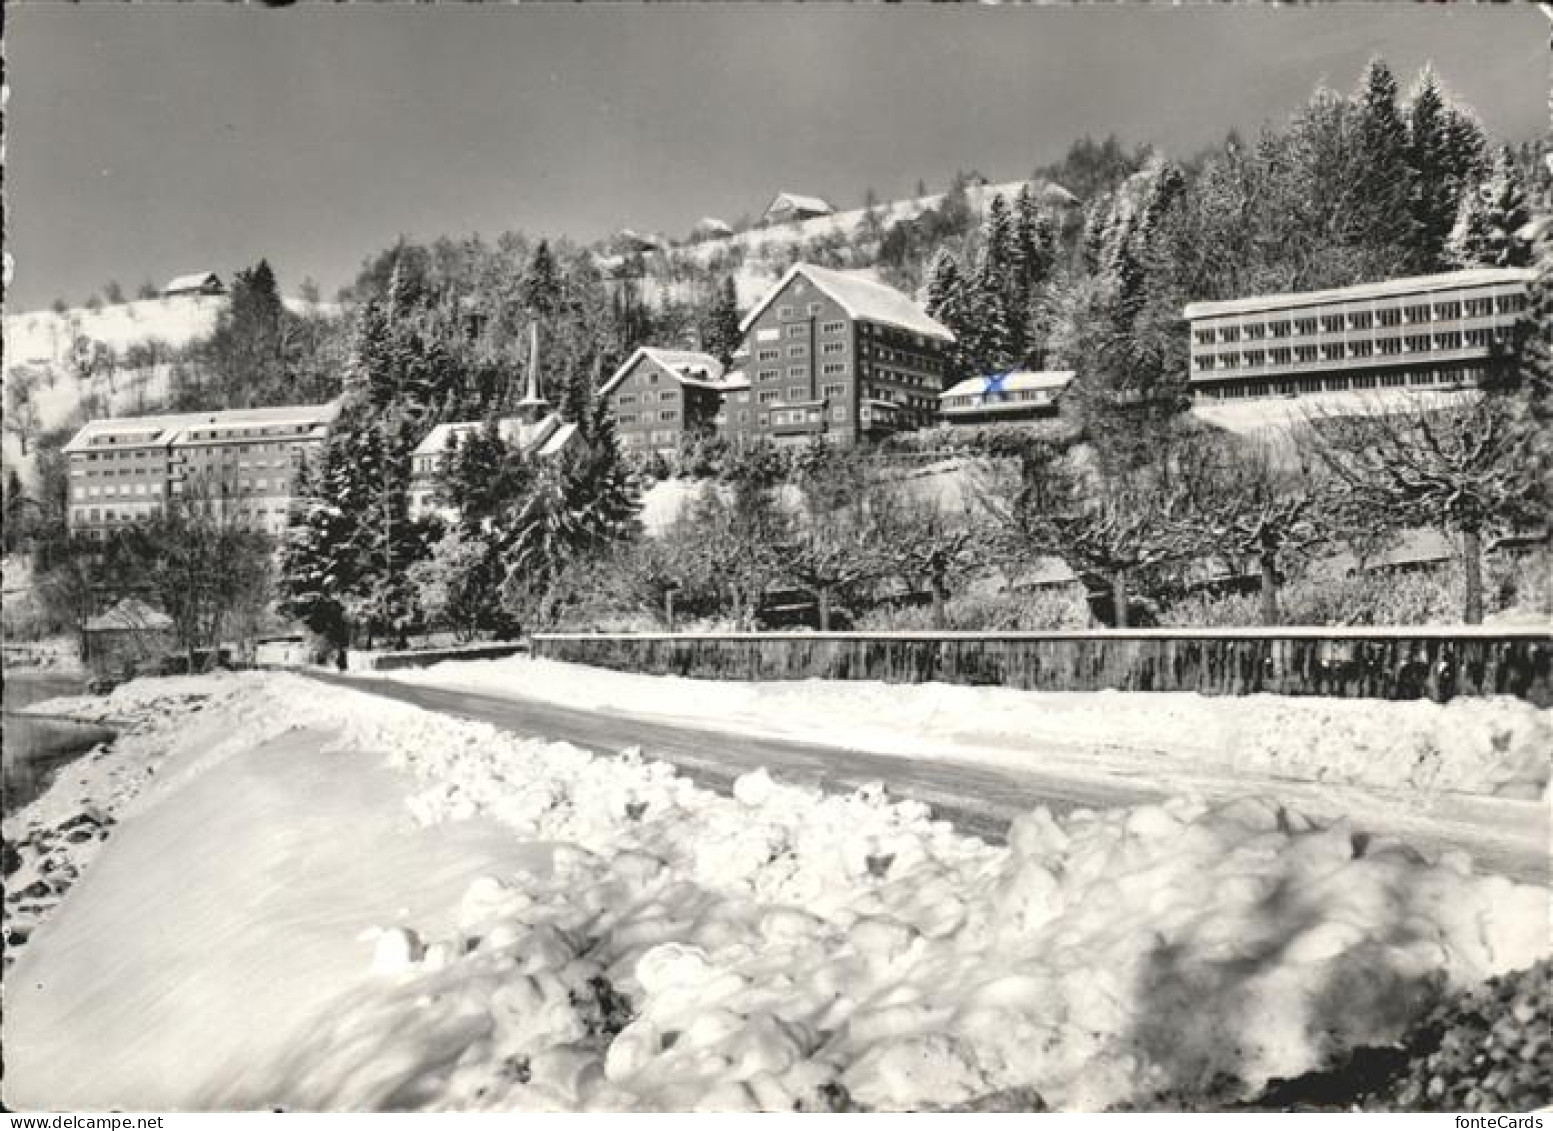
(376, 907)
(764, 250)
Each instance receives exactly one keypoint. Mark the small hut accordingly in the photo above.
(128, 637)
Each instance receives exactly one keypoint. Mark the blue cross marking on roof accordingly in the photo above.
(994, 384)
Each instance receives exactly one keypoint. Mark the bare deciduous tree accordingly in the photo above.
(1471, 468)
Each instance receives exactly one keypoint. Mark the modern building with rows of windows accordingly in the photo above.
(1434, 332)
(837, 355)
(246, 460)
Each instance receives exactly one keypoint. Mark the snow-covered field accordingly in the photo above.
(321, 899)
(1496, 746)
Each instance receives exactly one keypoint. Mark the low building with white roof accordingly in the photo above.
(1013, 396)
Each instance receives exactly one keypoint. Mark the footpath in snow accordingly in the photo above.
(317, 898)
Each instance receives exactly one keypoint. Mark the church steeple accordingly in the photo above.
(533, 406)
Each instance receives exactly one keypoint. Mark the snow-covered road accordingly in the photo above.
(1505, 836)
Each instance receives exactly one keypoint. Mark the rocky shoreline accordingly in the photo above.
(50, 842)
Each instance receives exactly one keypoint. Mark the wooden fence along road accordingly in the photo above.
(1376, 663)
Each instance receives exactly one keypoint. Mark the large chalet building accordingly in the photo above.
(660, 396)
(244, 461)
(834, 355)
(1429, 332)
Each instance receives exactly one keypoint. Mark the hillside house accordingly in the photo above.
(660, 396)
(200, 283)
(1014, 396)
(792, 207)
(839, 355)
(710, 228)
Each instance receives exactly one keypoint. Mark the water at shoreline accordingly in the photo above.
(35, 749)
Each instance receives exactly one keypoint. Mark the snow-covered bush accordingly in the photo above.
(1517, 587)
(1027, 610)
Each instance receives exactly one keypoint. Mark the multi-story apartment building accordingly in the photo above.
(659, 396)
(837, 355)
(1426, 332)
(243, 461)
(1004, 398)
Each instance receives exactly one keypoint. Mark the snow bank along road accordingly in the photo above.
(980, 792)
(321, 899)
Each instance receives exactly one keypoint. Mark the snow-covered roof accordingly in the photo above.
(736, 379)
(1386, 288)
(712, 224)
(861, 297)
(173, 428)
(195, 282)
(799, 203)
(641, 240)
(437, 439)
(1012, 382)
(130, 615)
(686, 366)
(559, 439)
(527, 435)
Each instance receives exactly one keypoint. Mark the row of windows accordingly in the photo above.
(111, 490)
(898, 337)
(1444, 310)
(786, 312)
(649, 439)
(111, 472)
(1480, 338)
(904, 400)
(902, 357)
(120, 456)
(1443, 377)
(646, 417)
(132, 512)
(665, 395)
(972, 400)
(915, 380)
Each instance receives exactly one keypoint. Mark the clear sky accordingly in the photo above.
(147, 140)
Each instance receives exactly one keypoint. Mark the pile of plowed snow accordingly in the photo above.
(674, 949)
